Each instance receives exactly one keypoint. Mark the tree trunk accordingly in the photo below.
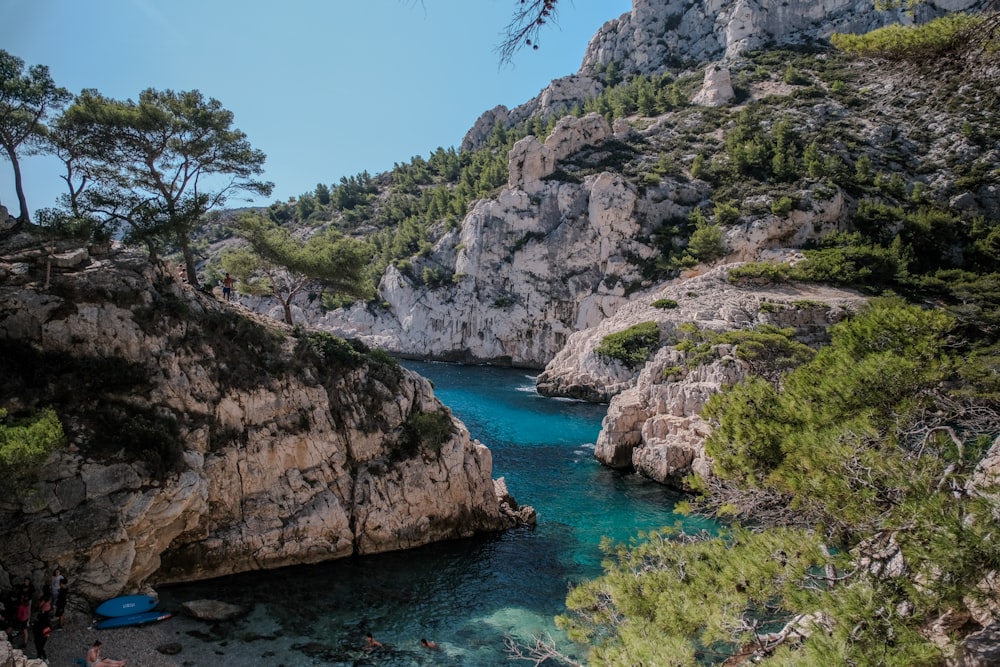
(192, 277)
(19, 187)
(287, 305)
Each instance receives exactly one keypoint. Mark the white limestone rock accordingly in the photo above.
(279, 469)
(717, 89)
(653, 422)
(661, 34)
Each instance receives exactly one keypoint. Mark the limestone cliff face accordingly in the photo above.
(546, 258)
(202, 443)
(653, 423)
(674, 35)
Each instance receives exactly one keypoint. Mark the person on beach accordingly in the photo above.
(61, 598)
(94, 658)
(54, 585)
(41, 629)
(22, 612)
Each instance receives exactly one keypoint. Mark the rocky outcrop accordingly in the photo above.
(676, 35)
(12, 657)
(717, 89)
(531, 162)
(542, 260)
(653, 423)
(202, 443)
(214, 611)
(558, 98)
(7, 221)
(673, 34)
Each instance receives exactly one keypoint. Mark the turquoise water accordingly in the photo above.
(466, 595)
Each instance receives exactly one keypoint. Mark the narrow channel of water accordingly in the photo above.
(465, 595)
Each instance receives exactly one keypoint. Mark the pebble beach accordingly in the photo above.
(140, 646)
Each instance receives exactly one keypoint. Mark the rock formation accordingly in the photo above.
(12, 657)
(531, 266)
(658, 34)
(653, 423)
(203, 443)
(573, 236)
(676, 35)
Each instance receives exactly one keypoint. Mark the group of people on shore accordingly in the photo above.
(25, 611)
(22, 613)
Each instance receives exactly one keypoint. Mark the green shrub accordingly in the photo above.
(781, 207)
(760, 273)
(846, 259)
(665, 304)
(794, 78)
(706, 243)
(424, 431)
(334, 350)
(25, 444)
(726, 214)
(916, 42)
(698, 166)
(631, 346)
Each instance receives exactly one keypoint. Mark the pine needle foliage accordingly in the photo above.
(631, 346)
(940, 37)
(873, 446)
(25, 443)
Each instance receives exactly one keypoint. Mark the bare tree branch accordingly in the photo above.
(524, 26)
(538, 653)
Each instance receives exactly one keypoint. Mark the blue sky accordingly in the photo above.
(325, 88)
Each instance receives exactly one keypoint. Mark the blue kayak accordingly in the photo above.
(126, 605)
(133, 619)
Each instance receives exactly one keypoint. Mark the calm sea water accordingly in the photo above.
(465, 595)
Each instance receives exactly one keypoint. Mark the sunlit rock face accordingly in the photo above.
(270, 455)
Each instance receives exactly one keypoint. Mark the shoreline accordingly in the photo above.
(138, 644)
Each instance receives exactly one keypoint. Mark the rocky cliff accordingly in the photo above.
(546, 258)
(593, 212)
(202, 442)
(654, 422)
(676, 35)
(777, 148)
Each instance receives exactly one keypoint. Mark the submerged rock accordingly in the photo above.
(213, 610)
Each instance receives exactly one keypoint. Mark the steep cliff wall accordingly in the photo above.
(203, 443)
(547, 257)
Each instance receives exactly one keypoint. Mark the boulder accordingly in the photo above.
(717, 89)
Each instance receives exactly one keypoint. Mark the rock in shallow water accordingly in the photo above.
(213, 610)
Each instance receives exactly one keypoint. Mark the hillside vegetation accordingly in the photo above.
(860, 479)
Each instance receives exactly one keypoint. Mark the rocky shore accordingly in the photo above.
(178, 641)
(137, 645)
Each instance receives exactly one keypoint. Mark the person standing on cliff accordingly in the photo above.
(227, 287)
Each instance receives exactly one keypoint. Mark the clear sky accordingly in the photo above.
(325, 88)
